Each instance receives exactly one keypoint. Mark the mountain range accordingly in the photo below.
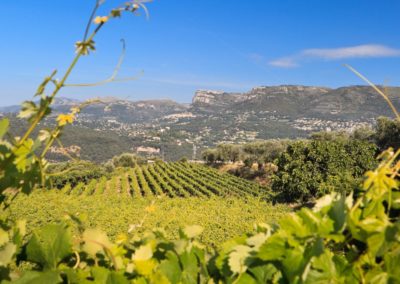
(294, 101)
(286, 111)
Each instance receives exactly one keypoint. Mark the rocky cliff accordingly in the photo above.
(292, 101)
(301, 101)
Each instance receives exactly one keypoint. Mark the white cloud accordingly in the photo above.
(359, 51)
(285, 62)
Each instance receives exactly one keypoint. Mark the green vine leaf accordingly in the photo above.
(28, 110)
(143, 253)
(95, 241)
(237, 259)
(4, 125)
(50, 245)
(7, 254)
(34, 277)
(104, 276)
(192, 231)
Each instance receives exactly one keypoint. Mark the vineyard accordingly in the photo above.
(183, 193)
(169, 179)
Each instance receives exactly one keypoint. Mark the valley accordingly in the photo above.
(170, 130)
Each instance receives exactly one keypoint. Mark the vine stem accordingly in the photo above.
(78, 260)
(57, 89)
(107, 250)
(376, 89)
(52, 139)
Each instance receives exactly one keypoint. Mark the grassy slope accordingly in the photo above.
(222, 218)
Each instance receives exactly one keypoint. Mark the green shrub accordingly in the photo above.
(255, 152)
(387, 133)
(330, 136)
(74, 173)
(183, 159)
(127, 160)
(210, 156)
(308, 170)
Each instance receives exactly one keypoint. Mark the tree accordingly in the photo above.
(364, 133)
(127, 160)
(262, 152)
(74, 173)
(330, 135)
(210, 156)
(387, 133)
(309, 170)
(228, 152)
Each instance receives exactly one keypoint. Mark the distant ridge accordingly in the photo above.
(289, 102)
(176, 130)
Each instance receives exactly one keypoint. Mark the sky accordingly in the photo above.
(186, 45)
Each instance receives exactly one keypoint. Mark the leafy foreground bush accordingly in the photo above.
(308, 170)
(341, 240)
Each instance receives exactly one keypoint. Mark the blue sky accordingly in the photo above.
(209, 44)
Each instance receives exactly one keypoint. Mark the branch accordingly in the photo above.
(112, 78)
(98, 3)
